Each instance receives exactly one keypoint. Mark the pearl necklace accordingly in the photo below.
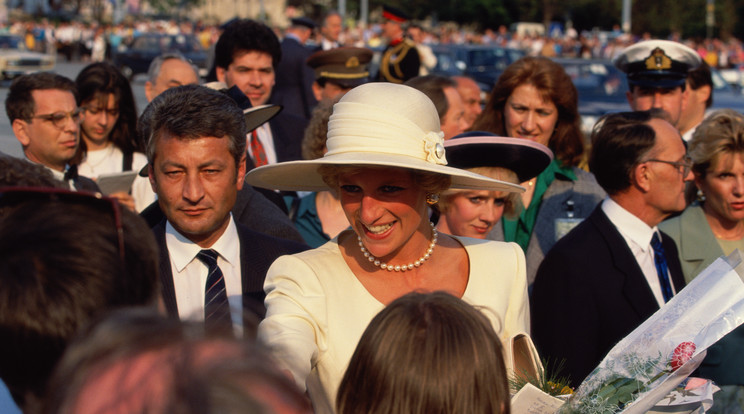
(398, 268)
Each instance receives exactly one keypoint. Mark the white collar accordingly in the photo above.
(182, 250)
(629, 225)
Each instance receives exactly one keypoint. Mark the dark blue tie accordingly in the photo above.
(216, 306)
(661, 267)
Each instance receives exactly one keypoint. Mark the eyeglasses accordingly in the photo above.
(60, 118)
(684, 166)
(13, 196)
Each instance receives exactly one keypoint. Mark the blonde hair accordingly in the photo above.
(722, 132)
(513, 206)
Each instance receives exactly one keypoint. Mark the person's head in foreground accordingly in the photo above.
(536, 100)
(67, 258)
(473, 213)
(386, 160)
(426, 353)
(717, 153)
(139, 362)
(640, 160)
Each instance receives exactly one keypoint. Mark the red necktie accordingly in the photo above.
(257, 149)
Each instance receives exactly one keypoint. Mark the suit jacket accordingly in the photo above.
(590, 293)
(287, 131)
(585, 194)
(251, 209)
(257, 252)
(698, 248)
(294, 80)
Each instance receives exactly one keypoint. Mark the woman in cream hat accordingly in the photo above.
(386, 160)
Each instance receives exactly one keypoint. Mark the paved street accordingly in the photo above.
(8, 143)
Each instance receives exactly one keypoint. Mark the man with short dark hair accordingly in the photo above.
(212, 268)
(331, 30)
(615, 269)
(247, 55)
(43, 112)
(169, 71)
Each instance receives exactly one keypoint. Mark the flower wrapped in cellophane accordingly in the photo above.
(656, 357)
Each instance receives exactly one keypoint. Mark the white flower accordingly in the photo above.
(434, 147)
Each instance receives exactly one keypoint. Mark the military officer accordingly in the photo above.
(400, 60)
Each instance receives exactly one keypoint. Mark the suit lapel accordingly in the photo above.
(251, 258)
(635, 288)
(168, 290)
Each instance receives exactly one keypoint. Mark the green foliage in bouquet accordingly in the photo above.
(546, 380)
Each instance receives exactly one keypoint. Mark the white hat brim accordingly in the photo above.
(304, 176)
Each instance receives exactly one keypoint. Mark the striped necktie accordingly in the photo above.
(216, 306)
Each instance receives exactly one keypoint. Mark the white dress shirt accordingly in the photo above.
(190, 274)
(267, 140)
(637, 235)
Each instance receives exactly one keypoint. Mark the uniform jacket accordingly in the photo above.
(590, 293)
(400, 61)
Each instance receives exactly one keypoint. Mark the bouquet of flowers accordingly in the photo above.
(658, 355)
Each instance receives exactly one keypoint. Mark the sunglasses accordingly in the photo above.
(13, 196)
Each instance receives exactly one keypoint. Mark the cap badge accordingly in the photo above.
(658, 60)
(352, 62)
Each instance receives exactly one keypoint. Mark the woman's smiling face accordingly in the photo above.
(387, 210)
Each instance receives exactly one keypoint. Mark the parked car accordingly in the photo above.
(482, 63)
(16, 60)
(135, 58)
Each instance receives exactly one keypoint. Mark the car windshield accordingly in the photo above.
(10, 42)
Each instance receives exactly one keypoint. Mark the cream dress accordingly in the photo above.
(317, 309)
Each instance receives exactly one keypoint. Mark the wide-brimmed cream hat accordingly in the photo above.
(377, 125)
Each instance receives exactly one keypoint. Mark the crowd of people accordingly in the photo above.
(301, 235)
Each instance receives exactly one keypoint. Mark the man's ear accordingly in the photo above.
(317, 91)
(640, 177)
(151, 177)
(220, 72)
(704, 93)
(148, 91)
(20, 129)
(240, 179)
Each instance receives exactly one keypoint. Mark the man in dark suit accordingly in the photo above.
(45, 118)
(605, 277)
(212, 268)
(247, 55)
(294, 79)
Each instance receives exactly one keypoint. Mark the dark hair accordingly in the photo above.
(619, 142)
(701, 76)
(193, 111)
(94, 83)
(22, 173)
(60, 266)
(19, 104)
(244, 36)
(549, 78)
(426, 353)
(196, 371)
(433, 87)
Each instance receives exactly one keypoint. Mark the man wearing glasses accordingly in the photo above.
(615, 269)
(46, 121)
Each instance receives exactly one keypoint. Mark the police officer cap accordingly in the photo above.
(396, 15)
(657, 63)
(345, 66)
(303, 21)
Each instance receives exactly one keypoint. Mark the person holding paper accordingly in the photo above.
(615, 269)
(711, 227)
(108, 129)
